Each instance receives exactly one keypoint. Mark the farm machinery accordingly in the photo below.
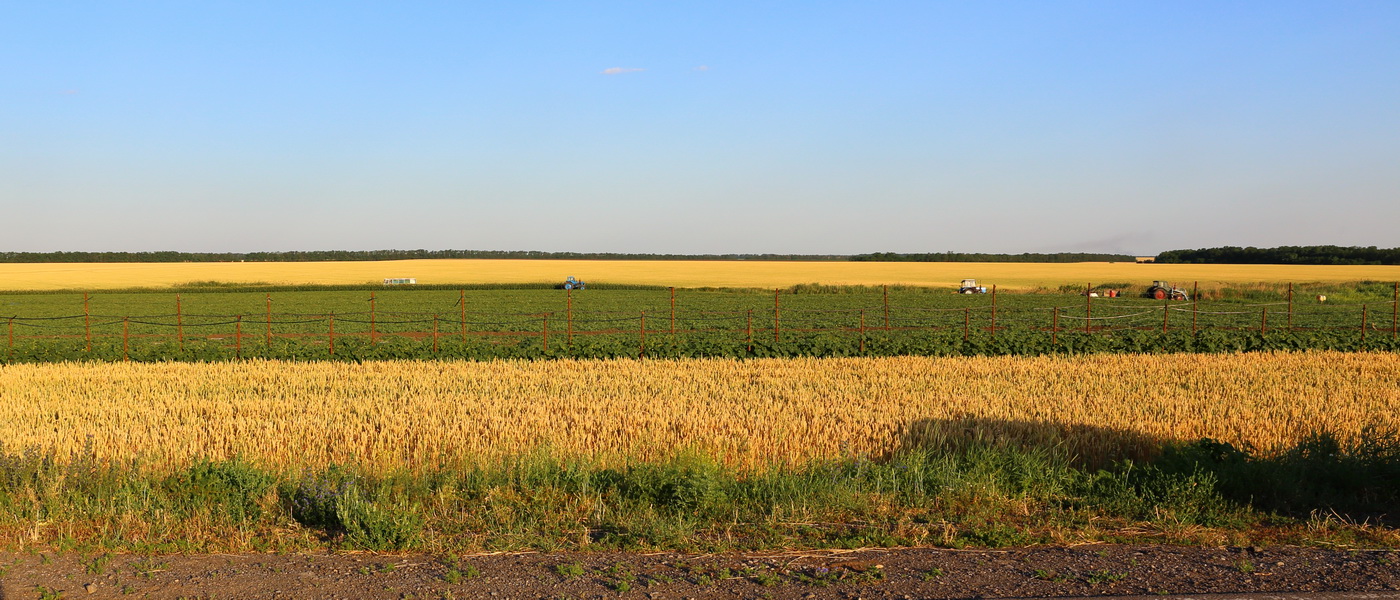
(1162, 290)
(969, 286)
(572, 284)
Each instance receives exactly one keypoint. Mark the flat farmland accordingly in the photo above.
(512, 416)
(760, 274)
(389, 415)
(432, 323)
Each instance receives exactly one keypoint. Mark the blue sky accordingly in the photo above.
(714, 127)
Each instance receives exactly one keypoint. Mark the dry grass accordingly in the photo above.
(407, 414)
(1008, 276)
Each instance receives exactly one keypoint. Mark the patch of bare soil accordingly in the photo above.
(884, 573)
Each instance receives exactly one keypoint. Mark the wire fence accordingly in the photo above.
(456, 323)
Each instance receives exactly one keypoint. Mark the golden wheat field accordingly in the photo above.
(765, 274)
(387, 415)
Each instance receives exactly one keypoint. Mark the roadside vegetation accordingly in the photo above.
(964, 496)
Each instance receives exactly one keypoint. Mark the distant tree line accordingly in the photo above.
(1285, 255)
(1027, 257)
(357, 255)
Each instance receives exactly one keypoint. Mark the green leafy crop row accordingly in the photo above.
(696, 345)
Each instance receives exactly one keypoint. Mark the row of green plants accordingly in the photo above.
(811, 303)
(176, 326)
(696, 345)
(978, 496)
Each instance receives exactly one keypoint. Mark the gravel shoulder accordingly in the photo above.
(1039, 572)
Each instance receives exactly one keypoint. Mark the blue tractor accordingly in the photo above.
(969, 286)
(572, 284)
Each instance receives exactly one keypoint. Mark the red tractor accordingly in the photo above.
(1162, 290)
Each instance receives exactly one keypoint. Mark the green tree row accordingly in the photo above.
(356, 255)
(1285, 255)
(1025, 257)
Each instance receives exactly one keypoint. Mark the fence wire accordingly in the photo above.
(1105, 317)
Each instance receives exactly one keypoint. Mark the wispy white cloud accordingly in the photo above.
(702, 68)
(621, 70)
(68, 92)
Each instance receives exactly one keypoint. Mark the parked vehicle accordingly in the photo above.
(1162, 290)
(969, 286)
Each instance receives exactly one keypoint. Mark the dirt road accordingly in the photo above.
(1083, 571)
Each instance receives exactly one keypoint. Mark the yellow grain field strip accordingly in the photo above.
(411, 414)
(763, 274)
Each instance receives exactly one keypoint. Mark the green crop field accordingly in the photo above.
(364, 323)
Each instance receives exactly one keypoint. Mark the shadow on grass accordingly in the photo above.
(1358, 481)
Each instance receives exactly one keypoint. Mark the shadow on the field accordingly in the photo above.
(1324, 476)
(1087, 446)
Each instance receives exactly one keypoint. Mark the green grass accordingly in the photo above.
(1318, 472)
(570, 570)
(967, 497)
(1103, 576)
(458, 571)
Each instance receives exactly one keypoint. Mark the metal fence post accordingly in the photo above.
(12, 337)
(544, 332)
(1290, 306)
(238, 337)
(462, 301)
(1166, 310)
(642, 351)
(179, 323)
(330, 337)
(673, 310)
(1055, 327)
(967, 321)
(1263, 320)
(862, 331)
(372, 332)
(776, 315)
(750, 328)
(887, 307)
(269, 320)
(435, 333)
(994, 310)
(1088, 308)
(87, 323)
(126, 326)
(1363, 321)
(569, 316)
(1195, 297)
